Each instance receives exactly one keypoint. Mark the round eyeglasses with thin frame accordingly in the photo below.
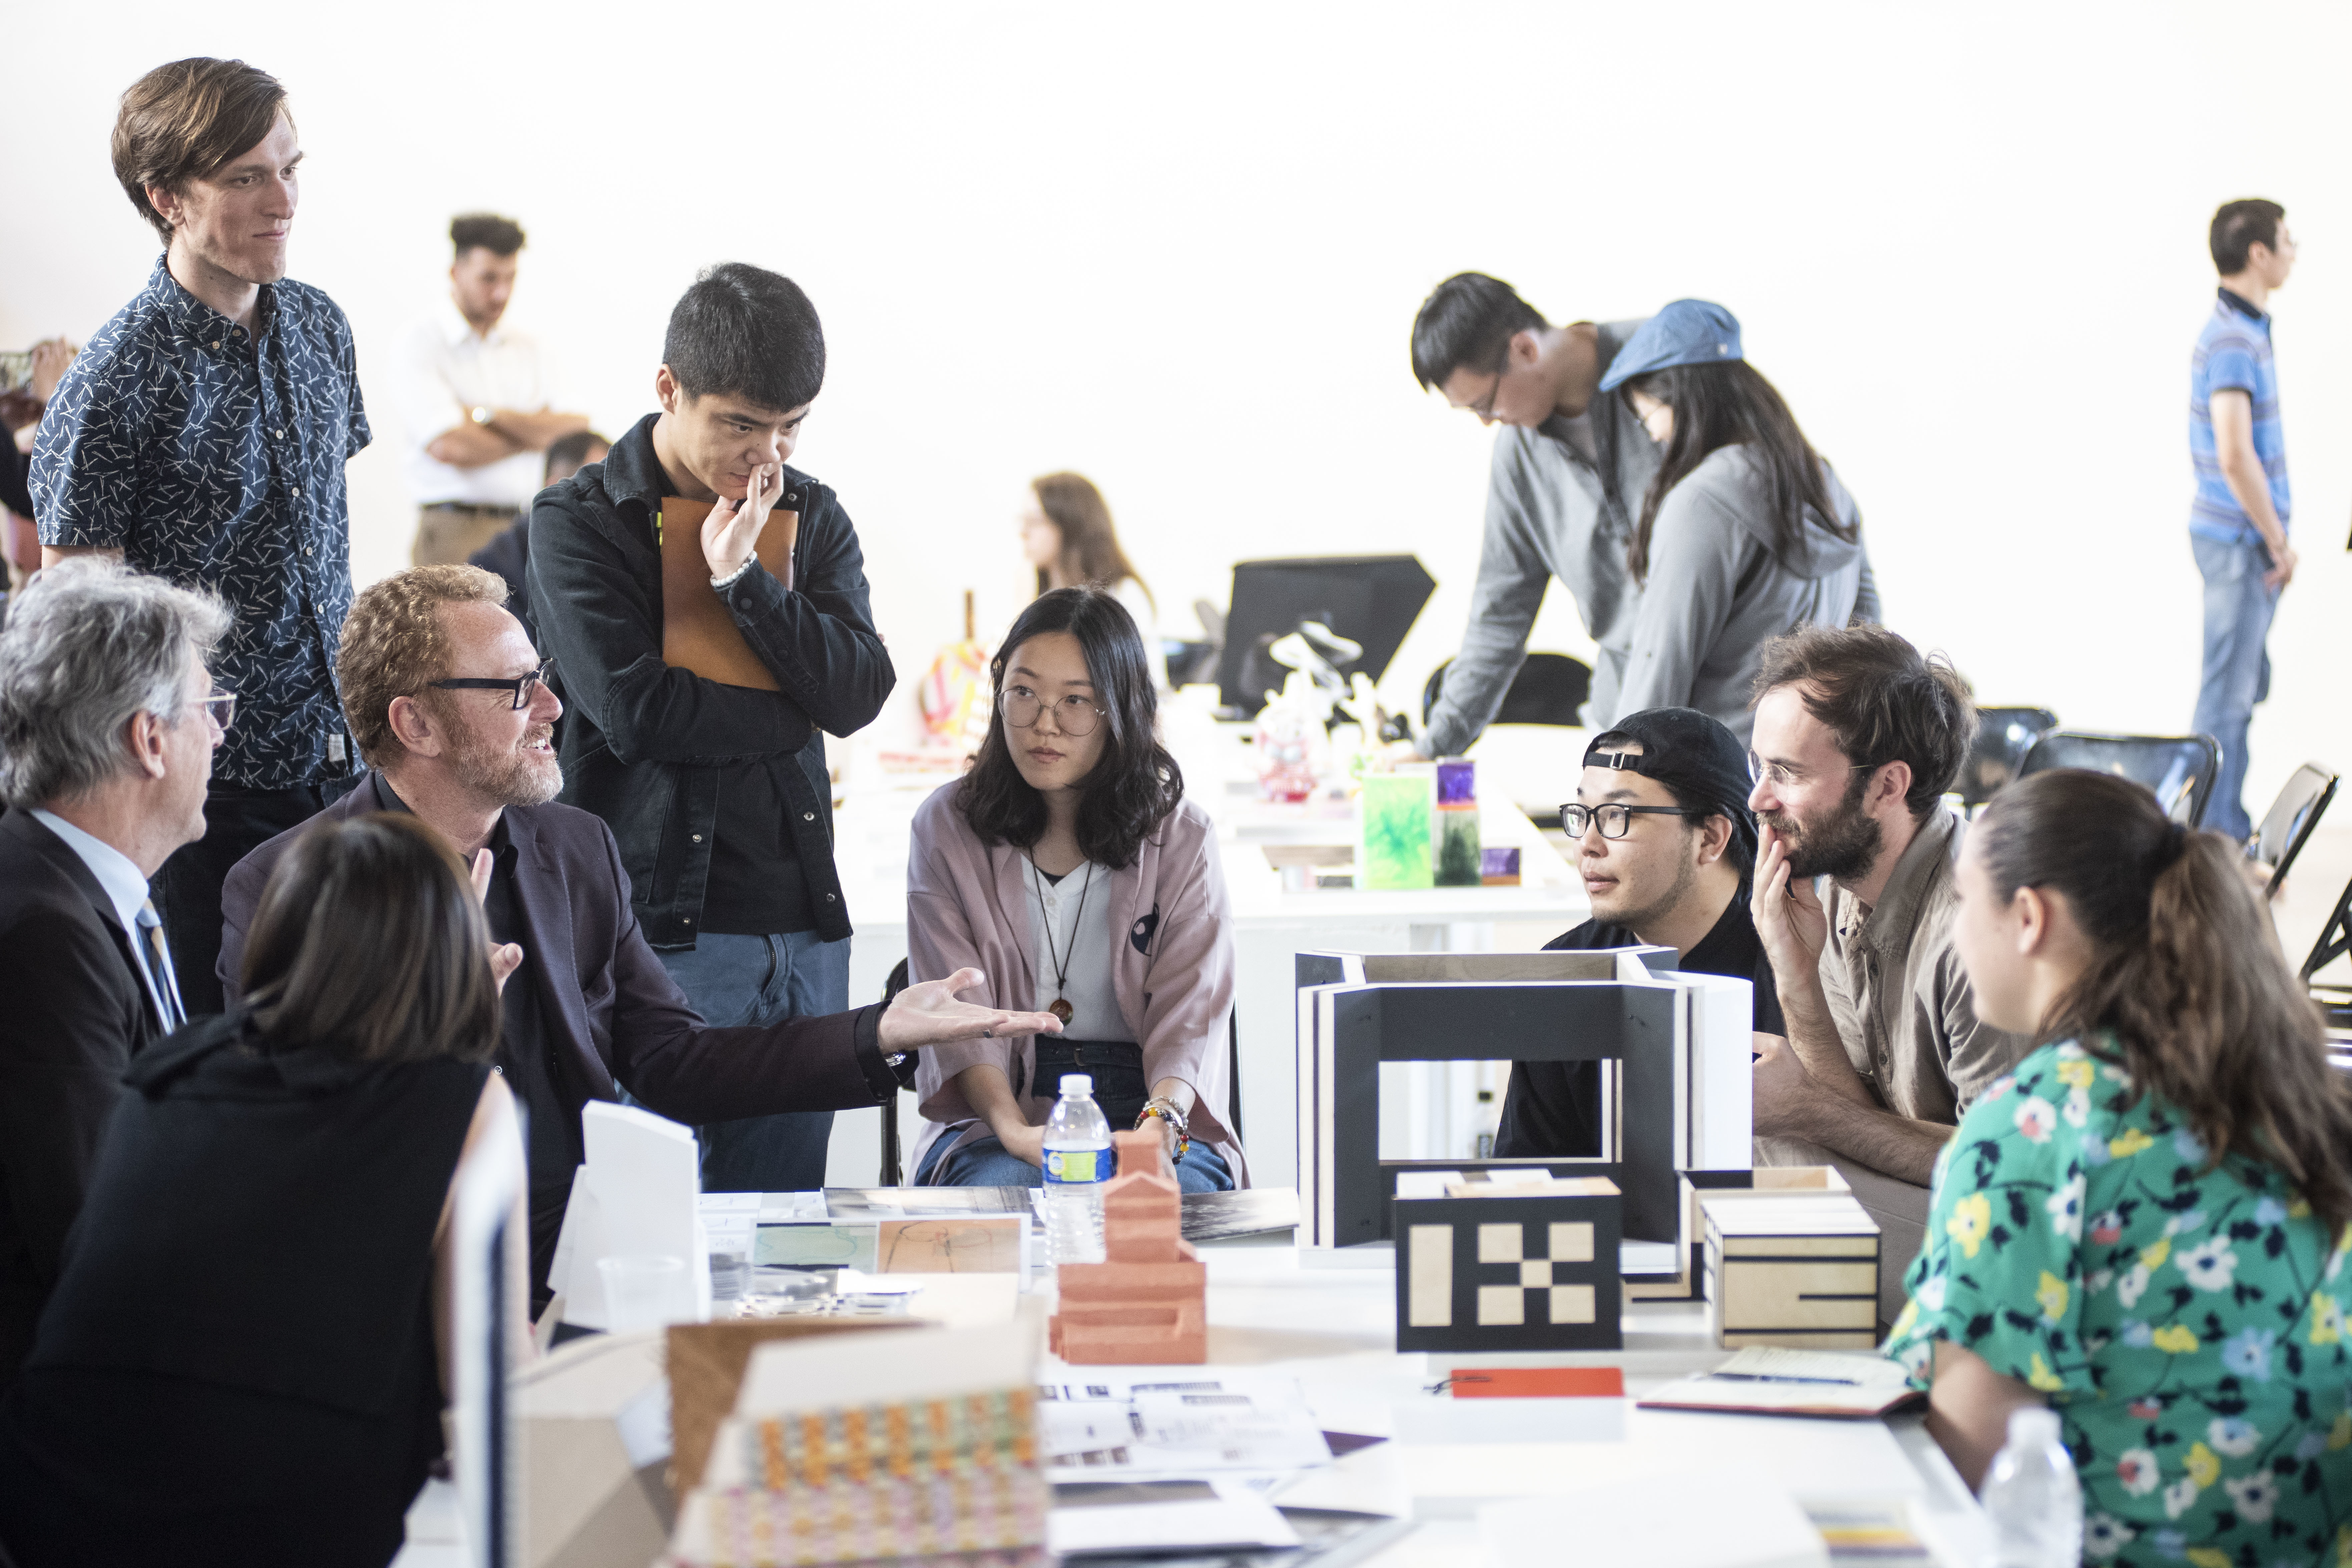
(522, 686)
(1073, 715)
(1781, 775)
(1614, 821)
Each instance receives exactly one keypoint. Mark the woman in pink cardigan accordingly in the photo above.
(1069, 867)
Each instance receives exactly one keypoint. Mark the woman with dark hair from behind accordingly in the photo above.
(242, 1361)
(1744, 534)
(1068, 865)
(1067, 535)
(2145, 1226)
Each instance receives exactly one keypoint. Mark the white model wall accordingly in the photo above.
(1179, 249)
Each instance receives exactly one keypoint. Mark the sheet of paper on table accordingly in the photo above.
(1214, 1513)
(1702, 1518)
(1140, 1421)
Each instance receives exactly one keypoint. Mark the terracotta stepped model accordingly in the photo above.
(1147, 1302)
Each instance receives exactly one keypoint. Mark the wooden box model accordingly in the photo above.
(1146, 1301)
(1790, 1268)
(1489, 1267)
(1689, 1282)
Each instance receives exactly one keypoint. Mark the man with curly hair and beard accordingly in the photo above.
(1857, 737)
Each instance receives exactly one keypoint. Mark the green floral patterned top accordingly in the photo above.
(2186, 1323)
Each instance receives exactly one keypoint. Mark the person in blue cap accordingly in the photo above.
(1569, 467)
(1744, 532)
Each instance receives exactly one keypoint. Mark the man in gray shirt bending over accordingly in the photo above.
(1569, 467)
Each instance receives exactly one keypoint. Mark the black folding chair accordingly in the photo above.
(2003, 737)
(2286, 827)
(2179, 769)
(1550, 688)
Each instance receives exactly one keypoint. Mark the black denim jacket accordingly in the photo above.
(643, 745)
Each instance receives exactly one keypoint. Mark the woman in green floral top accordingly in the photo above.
(2145, 1226)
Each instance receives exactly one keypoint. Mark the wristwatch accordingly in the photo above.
(482, 415)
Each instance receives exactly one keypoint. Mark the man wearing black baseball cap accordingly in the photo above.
(1666, 844)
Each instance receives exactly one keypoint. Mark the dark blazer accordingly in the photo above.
(646, 744)
(612, 1015)
(76, 1012)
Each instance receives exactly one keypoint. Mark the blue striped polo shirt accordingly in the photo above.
(2233, 352)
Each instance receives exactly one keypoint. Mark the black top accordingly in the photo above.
(76, 1012)
(244, 1326)
(526, 1052)
(1554, 1108)
(509, 555)
(678, 764)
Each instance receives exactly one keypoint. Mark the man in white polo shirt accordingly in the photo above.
(477, 400)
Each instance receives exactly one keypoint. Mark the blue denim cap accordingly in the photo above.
(1688, 331)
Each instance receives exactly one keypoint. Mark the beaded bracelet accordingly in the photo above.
(1167, 1111)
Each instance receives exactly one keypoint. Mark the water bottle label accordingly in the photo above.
(1069, 1166)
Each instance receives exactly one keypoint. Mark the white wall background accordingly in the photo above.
(1179, 247)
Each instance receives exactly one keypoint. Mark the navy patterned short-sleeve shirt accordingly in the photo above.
(214, 458)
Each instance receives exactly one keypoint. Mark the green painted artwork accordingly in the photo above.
(1457, 850)
(1394, 815)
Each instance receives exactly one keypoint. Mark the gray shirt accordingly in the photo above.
(1717, 591)
(1550, 512)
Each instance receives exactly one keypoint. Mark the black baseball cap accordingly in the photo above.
(1690, 753)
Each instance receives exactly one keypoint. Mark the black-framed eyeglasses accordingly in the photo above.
(219, 707)
(1073, 715)
(1484, 409)
(1615, 821)
(521, 686)
(1780, 775)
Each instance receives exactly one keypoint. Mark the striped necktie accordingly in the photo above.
(158, 959)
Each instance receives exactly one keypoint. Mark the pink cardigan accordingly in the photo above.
(968, 903)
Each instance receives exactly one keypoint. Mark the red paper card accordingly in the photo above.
(1537, 1383)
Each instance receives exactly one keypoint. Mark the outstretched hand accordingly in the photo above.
(505, 957)
(1790, 918)
(930, 1014)
(731, 531)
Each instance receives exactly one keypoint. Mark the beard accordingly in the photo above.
(510, 775)
(1844, 845)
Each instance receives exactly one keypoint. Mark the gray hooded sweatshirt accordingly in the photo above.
(1716, 593)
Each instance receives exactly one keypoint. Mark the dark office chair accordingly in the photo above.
(2288, 825)
(2003, 737)
(892, 1175)
(2179, 769)
(1550, 688)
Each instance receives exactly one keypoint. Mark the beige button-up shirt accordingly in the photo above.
(1898, 994)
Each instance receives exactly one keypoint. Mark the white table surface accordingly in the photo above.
(1334, 1329)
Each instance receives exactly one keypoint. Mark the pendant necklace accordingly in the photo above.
(1061, 1009)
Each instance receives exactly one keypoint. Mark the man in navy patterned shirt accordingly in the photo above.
(202, 436)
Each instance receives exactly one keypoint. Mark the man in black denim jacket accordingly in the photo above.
(717, 794)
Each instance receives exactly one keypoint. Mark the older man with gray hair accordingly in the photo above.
(108, 721)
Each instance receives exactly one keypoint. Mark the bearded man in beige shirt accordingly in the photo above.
(1857, 737)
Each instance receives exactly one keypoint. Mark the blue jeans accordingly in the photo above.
(737, 981)
(984, 1163)
(2238, 610)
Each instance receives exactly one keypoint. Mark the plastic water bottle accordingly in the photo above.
(2032, 1496)
(1078, 1164)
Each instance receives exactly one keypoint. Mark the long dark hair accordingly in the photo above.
(369, 942)
(2188, 976)
(1135, 785)
(1717, 405)
(1090, 551)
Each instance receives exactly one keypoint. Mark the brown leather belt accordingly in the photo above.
(472, 509)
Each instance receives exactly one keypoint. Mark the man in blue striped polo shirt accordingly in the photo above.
(2237, 525)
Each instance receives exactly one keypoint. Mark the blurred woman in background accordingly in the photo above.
(1066, 532)
(1745, 533)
